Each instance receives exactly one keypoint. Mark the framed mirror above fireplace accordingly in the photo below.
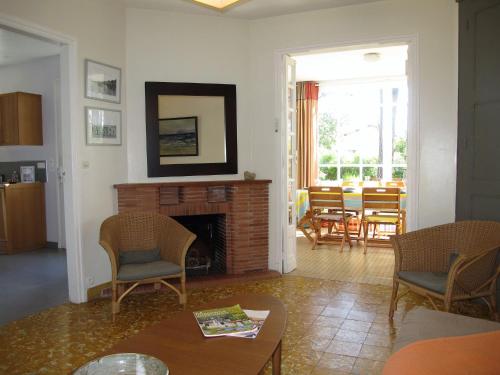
(191, 129)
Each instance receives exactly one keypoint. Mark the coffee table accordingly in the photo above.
(181, 345)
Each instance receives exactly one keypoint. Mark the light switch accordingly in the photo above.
(51, 165)
(85, 164)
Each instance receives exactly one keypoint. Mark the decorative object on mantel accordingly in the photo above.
(249, 176)
(102, 82)
(191, 129)
(103, 126)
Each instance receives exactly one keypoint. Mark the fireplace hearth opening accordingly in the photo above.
(207, 254)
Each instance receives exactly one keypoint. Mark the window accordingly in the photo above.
(362, 130)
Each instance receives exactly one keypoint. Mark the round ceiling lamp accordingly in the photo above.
(371, 57)
(217, 4)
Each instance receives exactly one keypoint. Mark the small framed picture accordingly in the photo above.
(178, 136)
(28, 174)
(103, 126)
(102, 82)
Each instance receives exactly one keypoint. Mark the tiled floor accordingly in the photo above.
(327, 262)
(31, 282)
(333, 327)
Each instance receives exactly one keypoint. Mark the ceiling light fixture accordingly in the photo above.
(372, 56)
(217, 4)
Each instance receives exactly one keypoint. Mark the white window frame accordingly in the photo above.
(387, 165)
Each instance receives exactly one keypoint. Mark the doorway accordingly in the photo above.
(35, 276)
(60, 166)
(365, 134)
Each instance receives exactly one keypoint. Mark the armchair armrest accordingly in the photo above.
(474, 273)
(174, 242)
(426, 249)
(109, 240)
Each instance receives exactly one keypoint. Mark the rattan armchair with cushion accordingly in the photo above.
(451, 262)
(145, 248)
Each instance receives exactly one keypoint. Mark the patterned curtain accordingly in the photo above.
(307, 109)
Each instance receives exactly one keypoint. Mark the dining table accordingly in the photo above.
(353, 202)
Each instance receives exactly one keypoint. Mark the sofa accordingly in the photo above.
(435, 342)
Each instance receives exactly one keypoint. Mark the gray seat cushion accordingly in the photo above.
(424, 324)
(141, 271)
(435, 281)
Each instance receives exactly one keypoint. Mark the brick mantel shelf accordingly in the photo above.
(245, 204)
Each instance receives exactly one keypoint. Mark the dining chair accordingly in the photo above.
(327, 207)
(380, 206)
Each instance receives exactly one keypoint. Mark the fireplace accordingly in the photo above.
(237, 210)
(207, 254)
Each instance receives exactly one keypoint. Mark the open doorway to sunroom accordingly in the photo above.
(352, 164)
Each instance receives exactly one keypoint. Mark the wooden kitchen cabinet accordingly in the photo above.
(21, 119)
(22, 217)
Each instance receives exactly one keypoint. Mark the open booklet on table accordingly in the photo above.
(231, 321)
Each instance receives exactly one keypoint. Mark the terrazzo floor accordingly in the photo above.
(327, 262)
(334, 327)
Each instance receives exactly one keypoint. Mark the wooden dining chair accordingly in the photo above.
(381, 206)
(327, 206)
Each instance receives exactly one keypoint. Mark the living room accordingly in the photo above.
(181, 42)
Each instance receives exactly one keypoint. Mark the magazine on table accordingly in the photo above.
(258, 317)
(230, 321)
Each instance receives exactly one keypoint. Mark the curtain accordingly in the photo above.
(307, 109)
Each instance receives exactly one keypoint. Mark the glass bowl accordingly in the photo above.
(124, 363)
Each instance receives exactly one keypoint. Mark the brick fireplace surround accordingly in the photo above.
(245, 204)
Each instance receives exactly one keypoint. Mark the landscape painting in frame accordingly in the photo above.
(102, 82)
(178, 136)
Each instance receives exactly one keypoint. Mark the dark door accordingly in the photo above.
(478, 159)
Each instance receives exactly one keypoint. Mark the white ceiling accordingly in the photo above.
(350, 64)
(246, 9)
(17, 48)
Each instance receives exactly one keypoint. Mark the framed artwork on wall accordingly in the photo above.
(178, 136)
(102, 82)
(103, 126)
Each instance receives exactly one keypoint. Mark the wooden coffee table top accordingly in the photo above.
(178, 341)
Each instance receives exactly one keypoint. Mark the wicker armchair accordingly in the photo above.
(145, 248)
(451, 262)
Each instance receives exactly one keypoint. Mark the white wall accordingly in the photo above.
(37, 77)
(175, 47)
(434, 22)
(99, 30)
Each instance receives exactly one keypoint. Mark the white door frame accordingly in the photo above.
(61, 240)
(69, 94)
(412, 204)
